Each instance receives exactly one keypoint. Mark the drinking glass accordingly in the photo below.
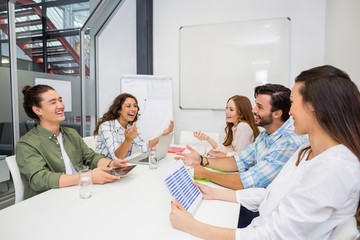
(85, 183)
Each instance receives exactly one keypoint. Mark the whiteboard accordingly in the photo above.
(154, 95)
(220, 60)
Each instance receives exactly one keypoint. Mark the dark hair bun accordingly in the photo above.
(26, 89)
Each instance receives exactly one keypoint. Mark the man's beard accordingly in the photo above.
(265, 120)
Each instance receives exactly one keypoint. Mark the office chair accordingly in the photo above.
(90, 141)
(346, 230)
(15, 173)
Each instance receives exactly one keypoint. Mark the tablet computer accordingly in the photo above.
(122, 171)
(180, 185)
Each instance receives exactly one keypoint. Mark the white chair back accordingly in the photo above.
(187, 138)
(346, 230)
(90, 141)
(15, 173)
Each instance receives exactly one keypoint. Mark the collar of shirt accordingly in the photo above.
(47, 133)
(271, 138)
(118, 127)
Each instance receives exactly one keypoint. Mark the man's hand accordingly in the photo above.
(101, 175)
(189, 159)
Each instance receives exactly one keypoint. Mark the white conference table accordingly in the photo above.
(134, 207)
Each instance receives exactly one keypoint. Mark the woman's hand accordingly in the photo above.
(201, 136)
(170, 129)
(180, 218)
(131, 132)
(217, 154)
(207, 191)
(117, 163)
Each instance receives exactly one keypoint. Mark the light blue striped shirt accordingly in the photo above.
(261, 161)
(111, 135)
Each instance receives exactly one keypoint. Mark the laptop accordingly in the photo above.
(160, 152)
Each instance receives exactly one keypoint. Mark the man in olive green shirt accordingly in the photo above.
(50, 156)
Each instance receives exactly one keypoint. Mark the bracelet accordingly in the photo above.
(109, 163)
(202, 163)
(207, 162)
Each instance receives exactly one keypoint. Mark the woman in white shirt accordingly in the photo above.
(319, 187)
(240, 128)
(117, 131)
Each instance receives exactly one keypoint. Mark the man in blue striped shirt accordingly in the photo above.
(261, 161)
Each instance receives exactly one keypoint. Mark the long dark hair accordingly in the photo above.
(32, 97)
(114, 110)
(336, 101)
(243, 107)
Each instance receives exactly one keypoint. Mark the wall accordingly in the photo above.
(116, 53)
(322, 32)
(342, 42)
(307, 44)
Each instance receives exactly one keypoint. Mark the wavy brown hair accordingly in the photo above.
(114, 110)
(336, 101)
(244, 109)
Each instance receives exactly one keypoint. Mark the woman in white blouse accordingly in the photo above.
(319, 186)
(240, 128)
(117, 131)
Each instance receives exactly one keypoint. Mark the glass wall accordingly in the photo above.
(47, 50)
(48, 37)
(47, 42)
(6, 135)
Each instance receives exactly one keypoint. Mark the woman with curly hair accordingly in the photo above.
(117, 131)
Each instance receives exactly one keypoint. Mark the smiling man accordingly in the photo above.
(49, 155)
(259, 163)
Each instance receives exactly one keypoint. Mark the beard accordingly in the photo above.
(264, 120)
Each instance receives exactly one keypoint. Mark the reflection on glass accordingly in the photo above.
(48, 36)
(48, 47)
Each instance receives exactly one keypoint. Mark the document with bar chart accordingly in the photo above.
(179, 183)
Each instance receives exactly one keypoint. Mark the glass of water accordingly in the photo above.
(152, 159)
(85, 183)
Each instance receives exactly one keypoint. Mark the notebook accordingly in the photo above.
(180, 185)
(160, 152)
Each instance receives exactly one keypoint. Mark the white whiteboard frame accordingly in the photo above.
(220, 60)
(154, 95)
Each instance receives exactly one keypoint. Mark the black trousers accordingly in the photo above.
(246, 216)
